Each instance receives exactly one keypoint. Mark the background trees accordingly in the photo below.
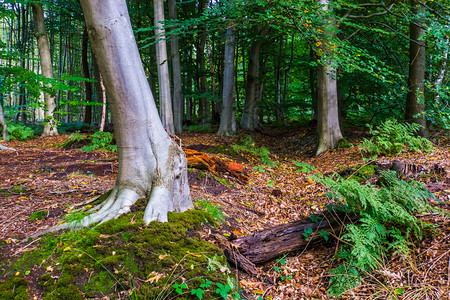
(282, 52)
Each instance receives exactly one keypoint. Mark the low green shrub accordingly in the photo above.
(387, 225)
(392, 138)
(246, 144)
(19, 132)
(103, 141)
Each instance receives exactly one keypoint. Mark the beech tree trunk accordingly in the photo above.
(50, 127)
(226, 120)
(3, 123)
(176, 73)
(151, 164)
(415, 99)
(327, 98)
(249, 120)
(165, 99)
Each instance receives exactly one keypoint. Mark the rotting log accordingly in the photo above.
(200, 160)
(265, 245)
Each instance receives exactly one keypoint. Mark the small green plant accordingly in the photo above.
(307, 232)
(76, 136)
(387, 225)
(248, 145)
(305, 168)
(102, 141)
(392, 138)
(19, 132)
(18, 189)
(38, 215)
(212, 209)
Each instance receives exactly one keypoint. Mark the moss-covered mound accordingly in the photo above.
(124, 258)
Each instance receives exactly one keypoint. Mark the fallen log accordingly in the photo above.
(247, 251)
(6, 148)
(213, 163)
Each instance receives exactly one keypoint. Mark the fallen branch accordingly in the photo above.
(6, 148)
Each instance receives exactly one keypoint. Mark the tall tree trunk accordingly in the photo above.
(2, 121)
(226, 121)
(50, 127)
(87, 84)
(249, 120)
(151, 164)
(204, 113)
(415, 99)
(178, 110)
(327, 98)
(165, 100)
(101, 95)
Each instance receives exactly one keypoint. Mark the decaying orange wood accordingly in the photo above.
(200, 160)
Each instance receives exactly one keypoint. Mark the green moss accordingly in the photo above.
(38, 215)
(18, 189)
(14, 288)
(223, 149)
(344, 144)
(359, 173)
(114, 258)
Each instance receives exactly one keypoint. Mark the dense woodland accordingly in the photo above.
(309, 131)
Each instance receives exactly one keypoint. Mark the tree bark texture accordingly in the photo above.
(249, 120)
(327, 99)
(415, 99)
(3, 124)
(50, 127)
(151, 164)
(87, 84)
(226, 121)
(165, 99)
(178, 108)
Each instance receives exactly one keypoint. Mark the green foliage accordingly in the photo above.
(387, 224)
(201, 128)
(392, 138)
(305, 168)
(246, 144)
(38, 215)
(102, 141)
(212, 209)
(76, 136)
(20, 132)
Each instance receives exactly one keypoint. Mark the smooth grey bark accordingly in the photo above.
(204, 112)
(165, 99)
(151, 164)
(249, 120)
(327, 99)
(50, 126)
(227, 128)
(3, 123)
(415, 99)
(176, 73)
(442, 70)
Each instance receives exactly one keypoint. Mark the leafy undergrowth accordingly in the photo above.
(123, 258)
(43, 177)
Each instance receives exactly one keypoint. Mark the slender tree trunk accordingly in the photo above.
(2, 122)
(226, 121)
(204, 104)
(415, 99)
(176, 72)
(165, 100)
(50, 127)
(249, 120)
(87, 84)
(441, 73)
(151, 164)
(327, 99)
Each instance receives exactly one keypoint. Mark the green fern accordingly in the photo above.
(248, 145)
(19, 132)
(102, 141)
(387, 224)
(392, 138)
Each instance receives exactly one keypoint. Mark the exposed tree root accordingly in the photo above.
(6, 148)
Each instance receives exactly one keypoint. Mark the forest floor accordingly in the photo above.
(43, 176)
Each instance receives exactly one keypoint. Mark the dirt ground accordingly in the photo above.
(43, 176)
